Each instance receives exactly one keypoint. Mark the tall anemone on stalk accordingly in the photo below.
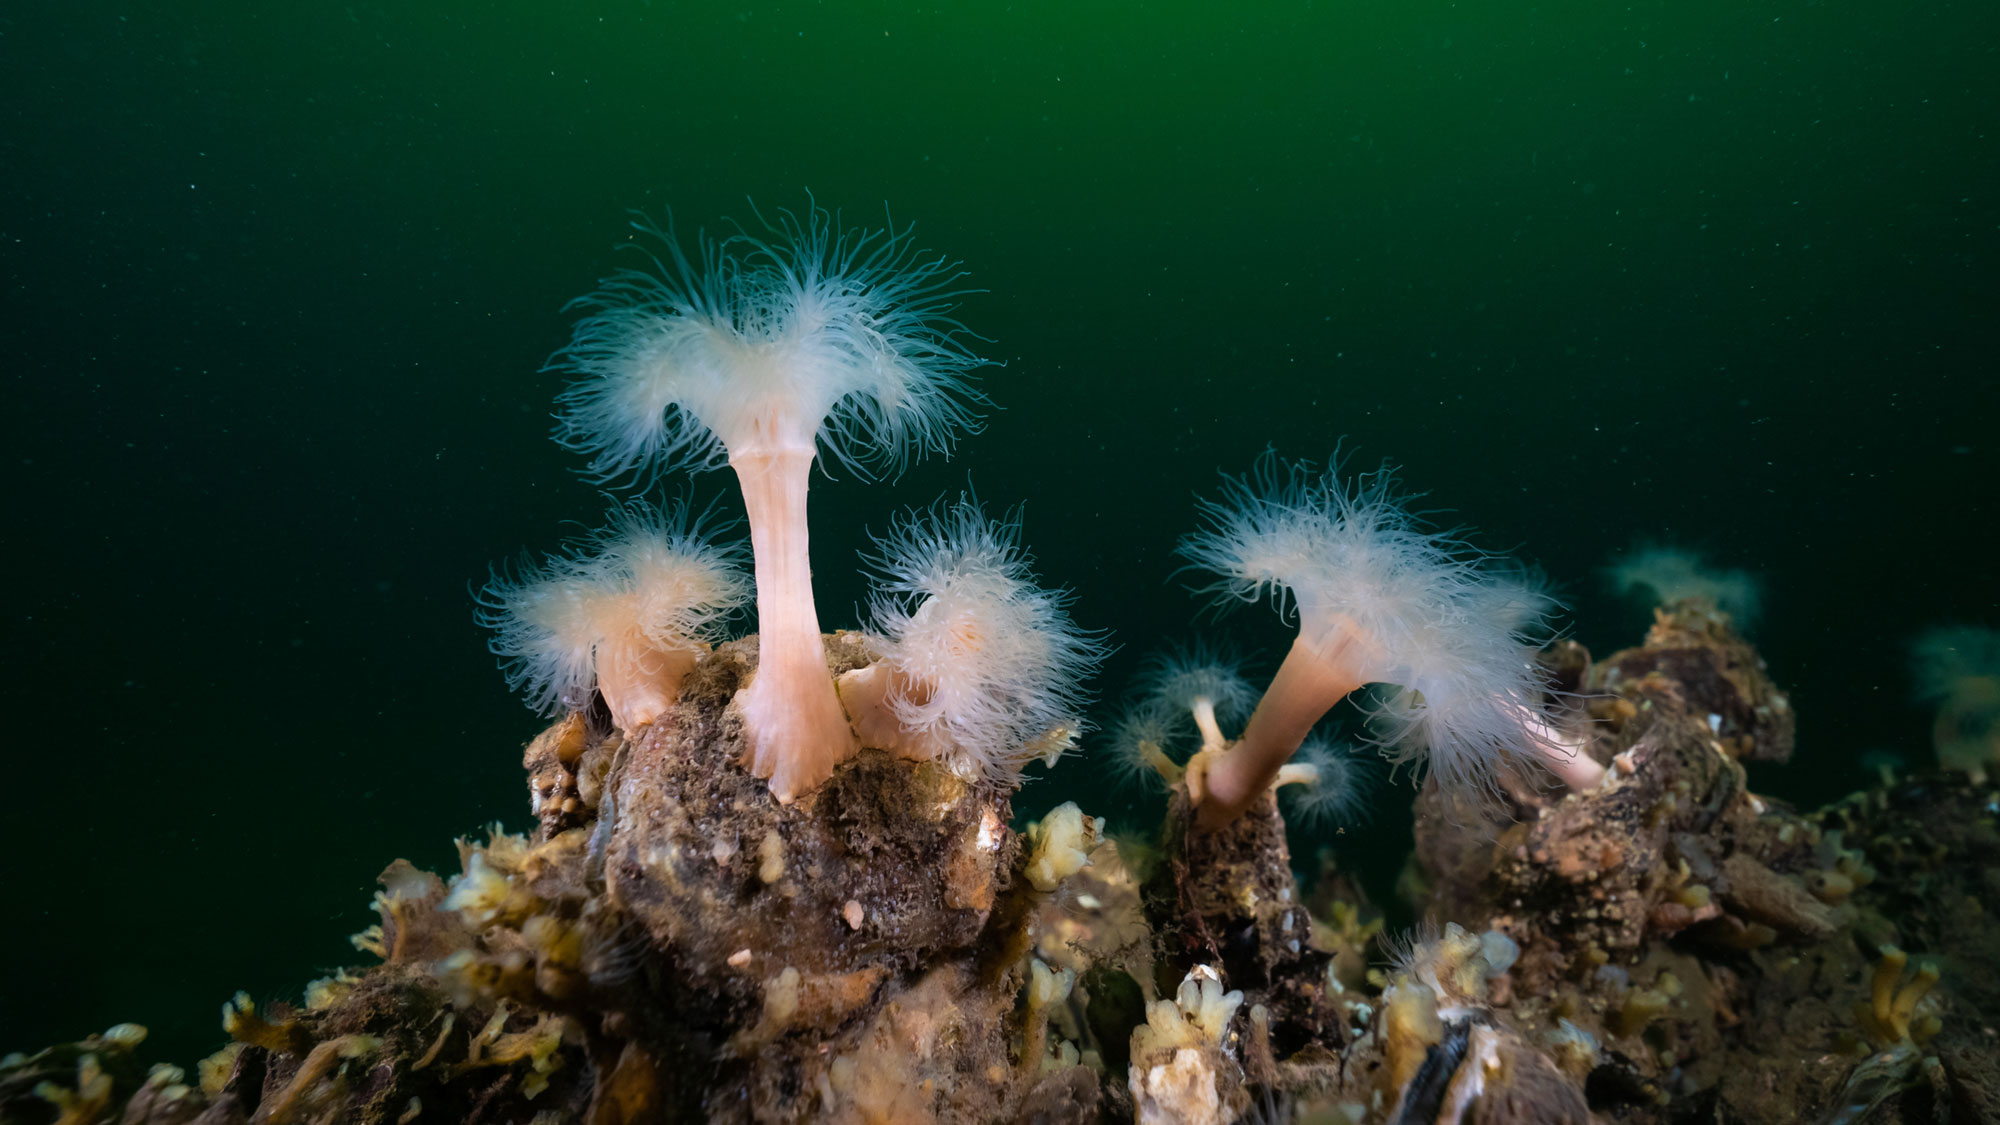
(625, 612)
(766, 351)
(1379, 599)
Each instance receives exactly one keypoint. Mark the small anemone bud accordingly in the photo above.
(124, 1036)
(979, 664)
(212, 1072)
(481, 893)
(1140, 743)
(1335, 787)
(1203, 681)
(1643, 1005)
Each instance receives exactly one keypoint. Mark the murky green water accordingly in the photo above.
(280, 280)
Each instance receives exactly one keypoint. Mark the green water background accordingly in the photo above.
(279, 280)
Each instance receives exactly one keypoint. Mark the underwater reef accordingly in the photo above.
(777, 877)
(670, 943)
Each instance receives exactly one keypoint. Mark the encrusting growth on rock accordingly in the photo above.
(1182, 1073)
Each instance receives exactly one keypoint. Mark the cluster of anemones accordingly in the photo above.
(769, 353)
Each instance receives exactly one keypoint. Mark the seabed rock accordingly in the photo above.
(670, 944)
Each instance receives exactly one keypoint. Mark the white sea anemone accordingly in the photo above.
(1670, 574)
(1144, 741)
(1379, 598)
(1944, 658)
(625, 611)
(1202, 679)
(1958, 668)
(978, 663)
(767, 350)
(1337, 786)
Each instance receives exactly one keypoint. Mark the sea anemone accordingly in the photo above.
(1671, 574)
(1180, 699)
(1335, 786)
(1379, 599)
(625, 611)
(1143, 739)
(1204, 681)
(1958, 668)
(980, 667)
(1407, 722)
(769, 351)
